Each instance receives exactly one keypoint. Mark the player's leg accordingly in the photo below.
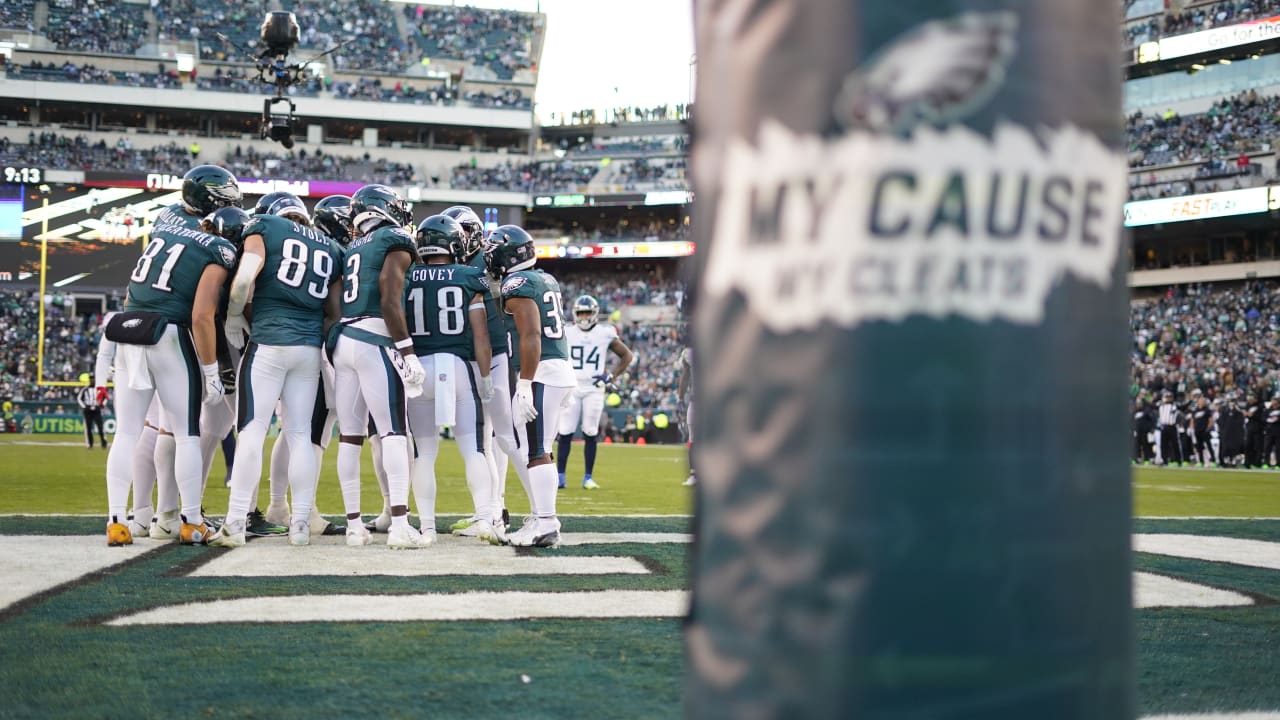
(426, 439)
(693, 475)
(261, 377)
(131, 411)
(216, 420)
(298, 398)
(278, 479)
(470, 431)
(353, 418)
(592, 402)
(382, 522)
(144, 473)
(174, 359)
(568, 425)
(384, 395)
(498, 415)
(536, 436)
(165, 524)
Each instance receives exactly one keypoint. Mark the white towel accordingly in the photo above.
(445, 385)
(134, 359)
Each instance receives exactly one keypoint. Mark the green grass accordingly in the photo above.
(50, 477)
(1173, 492)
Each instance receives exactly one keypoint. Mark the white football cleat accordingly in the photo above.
(300, 533)
(406, 537)
(380, 524)
(278, 513)
(463, 524)
(539, 533)
(164, 526)
(140, 522)
(693, 480)
(357, 535)
(230, 535)
(482, 529)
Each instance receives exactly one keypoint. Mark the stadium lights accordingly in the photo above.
(1223, 61)
(1197, 67)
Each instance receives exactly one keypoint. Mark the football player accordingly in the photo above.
(497, 409)
(166, 345)
(589, 343)
(541, 360)
(686, 402)
(291, 270)
(444, 302)
(374, 366)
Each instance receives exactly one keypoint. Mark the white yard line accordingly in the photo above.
(1254, 553)
(31, 564)
(1150, 591)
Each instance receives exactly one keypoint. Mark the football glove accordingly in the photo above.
(213, 390)
(101, 397)
(522, 408)
(409, 367)
(486, 388)
(602, 380)
(236, 329)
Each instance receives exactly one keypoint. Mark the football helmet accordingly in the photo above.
(509, 250)
(333, 217)
(206, 188)
(227, 223)
(440, 235)
(375, 205)
(586, 311)
(285, 205)
(472, 228)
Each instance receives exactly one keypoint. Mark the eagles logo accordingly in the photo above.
(228, 255)
(512, 285)
(937, 70)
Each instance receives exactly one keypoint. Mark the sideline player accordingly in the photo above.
(686, 401)
(292, 272)
(541, 359)
(444, 302)
(374, 368)
(497, 410)
(589, 342)
(166, 345)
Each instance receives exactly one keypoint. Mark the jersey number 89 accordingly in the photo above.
(293, 268)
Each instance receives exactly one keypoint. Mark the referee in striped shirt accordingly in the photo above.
(1167, 421)
(88, 399)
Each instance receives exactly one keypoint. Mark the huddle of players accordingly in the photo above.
(349, 318)
(1225, 432)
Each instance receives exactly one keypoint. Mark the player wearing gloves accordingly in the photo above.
(291, 272)
(166, 345)
(540, 357)
(374, 364)
(590, 341)
(444, 301)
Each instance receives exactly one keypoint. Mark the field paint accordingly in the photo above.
(422, 608)
(592, 538)
(1204, 517)
(31, 564)
(45, 444)
(1254, 553)
(1219, 716)
(1150, 591)
(447, 514)
(328, 556)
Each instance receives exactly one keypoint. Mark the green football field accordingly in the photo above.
(590, 629)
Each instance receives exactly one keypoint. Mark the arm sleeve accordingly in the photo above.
(106, 355)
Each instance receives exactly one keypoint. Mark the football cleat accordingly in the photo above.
(164, 526)
(118, 533)
(380, 524)
(300, 533)
(230, 535)
(589, 484)
(333, 529)
(482, 529)
(693, 480)
(195, 534)
(140, 522)
(539, 533)
(278, 513)
(463, 524)
(259, 526)
(406, 537)
(562, 483)
(358, 535)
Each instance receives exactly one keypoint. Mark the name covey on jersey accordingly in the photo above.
(870, 226)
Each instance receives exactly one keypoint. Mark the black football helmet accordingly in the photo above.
(333, 217)
(440, 235)
(283, 204)
(472, 229)
(510, 249)
(206, 188)
(227, 223)
(374, 205)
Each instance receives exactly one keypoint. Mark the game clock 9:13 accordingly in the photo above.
(18, 174)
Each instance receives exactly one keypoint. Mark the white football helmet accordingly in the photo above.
(586, 311)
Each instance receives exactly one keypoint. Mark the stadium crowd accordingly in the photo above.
(1194, 19)
(546, 176)
(51, 150)
(1241, 124)
(70, 347)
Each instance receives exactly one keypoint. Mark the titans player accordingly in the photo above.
(291, 270)
(541, 360)
(444, 301)
(590, 341)
(374, 364)
(166, 345)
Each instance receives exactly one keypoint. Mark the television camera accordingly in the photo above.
(279, 35)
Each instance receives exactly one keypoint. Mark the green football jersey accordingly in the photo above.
(166, 276)
(436, 298)
(290, 292)
(361, 296)
(545, 291)
(176, 214)
(497, 325)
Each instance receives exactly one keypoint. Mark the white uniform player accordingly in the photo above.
(686, 399)
(590, 342)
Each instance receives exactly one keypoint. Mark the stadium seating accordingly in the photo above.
(544, 177)
(49, 149)
(17, 14)
(500, 40)
(1245, 123)
(1197, 18)
(86, 26)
